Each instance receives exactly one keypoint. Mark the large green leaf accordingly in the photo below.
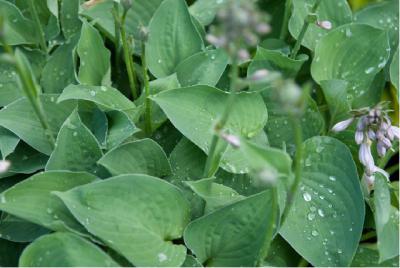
(386, 220)
(9, 89)
(32, 199)
(64, 250)
(205, 10)
(204, 68)
(368, 256)
(142, 156)
(59, 70)
(77, 149)
(18, 230)
(94, 57)
(20, 118)
(69, 17)
(26, 160)
(17, 28)
(337, 12)
(8, 142)
(195, 110)
(172, 38)
(106, 97)
(120, 128)
(355, 53)
(234, 235)
(394, 70)
(326, 220)
(136, 215)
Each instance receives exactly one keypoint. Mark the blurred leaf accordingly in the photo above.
(172, 38)
(368, 256)
(102, 207)
(328, 210)
(205, 10)
(394, 71)
(64, 250)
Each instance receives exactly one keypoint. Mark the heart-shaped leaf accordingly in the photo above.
(172, 38)
(64, 250)
(77, 149)
(113, 210)
(235, 234)
(328, 210)
(142, 156)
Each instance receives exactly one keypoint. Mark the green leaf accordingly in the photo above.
(386, 220)
(8, 142)
(18, 230)
(394, 71)
(335, 92)
(368, 256)
(204, 68)
(59, 70)
(385, 16)
(106, 97)
(9, 88)
(205, 10)
(26, 160)
(214, 194)
(195, 110)
(102, 207)
(233, 235)
(95, 69)
(172, 38)
(281, 254)
(32, 199)
(337, 12)
(20, 118)
(328, 210)
(355, 53)
(142, 156)
(64, 250)
(120, 128)
(77, 149)
(69, 17)
(17, 29)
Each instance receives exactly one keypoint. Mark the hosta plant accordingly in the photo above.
(199, 133)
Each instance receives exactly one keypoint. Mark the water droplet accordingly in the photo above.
(307, 162)
(313, 209)
(314, 233)
(348, 32)
(75, 134)
(159, 61)
(92, 93)
(103, 88)
(331, 232)
(332, 178)
(321, 213)
(3, 199)
(307, 196)
(49, 210)
(162, 257)
(213, 57)
(310, 216)
(369, 70)
(339, 251)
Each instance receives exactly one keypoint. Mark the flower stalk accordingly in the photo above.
(148, 119)
(38, 26)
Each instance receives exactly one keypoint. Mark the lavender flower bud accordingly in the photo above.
(379, 135)
(386, 142)
(381, 149)
(396, 132)
(325, 24)
(263, 28)
(366, 158)
(384, 126)
(243, 54)
(371, 134)
(231, 139)
(213, 40)
(260, 75)
(362, 123)
(359, 137)
(4, 165)
(342, 125)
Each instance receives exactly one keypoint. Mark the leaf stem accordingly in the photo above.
(285, 22)
(31, 92)
(297, 165)
(214, 158)
(39, 29)
(304, 30)
(128, 58)
(148, 119)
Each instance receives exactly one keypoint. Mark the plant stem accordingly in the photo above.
(148, 129)
(297, 165)
(30, 89)
(128, 58)
(39, 29)
(210, 163)
(117, 39)
(285, 22)
(304, 30)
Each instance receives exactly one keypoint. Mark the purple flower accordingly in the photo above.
(359, 137)
(366, 158)
(342, 125)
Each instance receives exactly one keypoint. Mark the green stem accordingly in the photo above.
(128, 58)
(285, 22)
(304, 30)
(368, 236)
(297, 166)
(209, 168)
(30, 89)
(391, 170)
(39, 29)
(117, 38)
(148, 119)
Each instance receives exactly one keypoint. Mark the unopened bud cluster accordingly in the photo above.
(239, 24)
(373, 125)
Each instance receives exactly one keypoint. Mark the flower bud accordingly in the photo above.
(366, 158)
(263, 28)
(359, 137)
(342, 125)
(126, 4)
(243, 54)
(371, 134)
(396, 132)
(386, 142)
(4, 166)
(362, 123)
(231, 139)
(381, 149)
(325, 24)
(260, 75)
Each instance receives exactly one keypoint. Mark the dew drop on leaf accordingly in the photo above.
(307, 196)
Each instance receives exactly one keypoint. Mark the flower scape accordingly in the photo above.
(194, 133)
